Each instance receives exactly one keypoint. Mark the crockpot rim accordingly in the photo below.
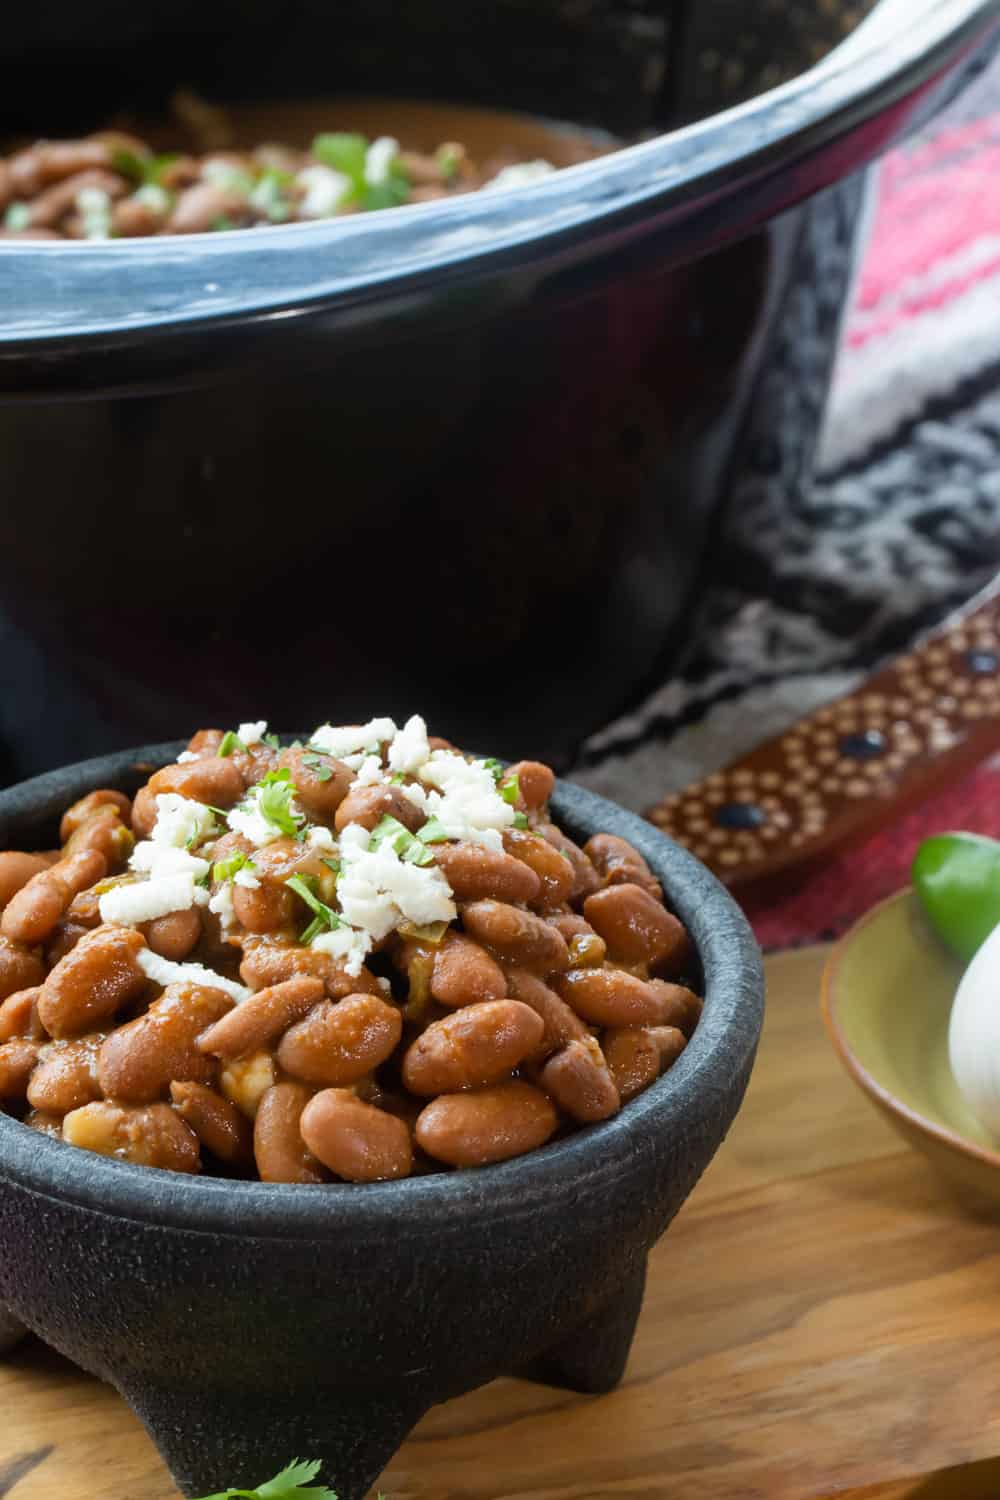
(698, 162)
(571, 1170)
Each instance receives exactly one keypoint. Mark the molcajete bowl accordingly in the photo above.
(248, 1323)
(520, 414)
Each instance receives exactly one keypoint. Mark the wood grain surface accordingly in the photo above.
(821, 1320)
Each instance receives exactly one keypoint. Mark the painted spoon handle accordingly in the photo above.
(854, 764)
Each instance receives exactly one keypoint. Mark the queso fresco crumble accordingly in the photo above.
(346, 959)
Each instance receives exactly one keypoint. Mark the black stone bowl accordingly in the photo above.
(247, 1323)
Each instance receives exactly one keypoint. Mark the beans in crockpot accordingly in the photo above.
(345, 960)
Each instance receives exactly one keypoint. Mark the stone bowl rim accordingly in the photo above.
(559, 1176)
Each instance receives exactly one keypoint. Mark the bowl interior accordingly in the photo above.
(887, 996)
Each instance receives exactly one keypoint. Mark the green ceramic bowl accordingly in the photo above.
(887, 992)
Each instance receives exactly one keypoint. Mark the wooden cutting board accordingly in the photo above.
(821, 1320)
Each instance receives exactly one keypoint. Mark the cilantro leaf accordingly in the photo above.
(325, 919)
(225, 869)
(274, 801)
(520, 820)
(389, 830)
(510, 790)
(433, 832)
(331, 864)
(293, 1483)
(273, 741)
(321, 769)
(346, 153)
(230, 741)
(494, 767)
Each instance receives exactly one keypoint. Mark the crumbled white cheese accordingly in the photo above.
(326, 190)
(252, 734)
(346, 944)
(377, 889)
(370, 772)
(164, 971)
(384, 985)
(186, 756)
(94, 207)
(246, 878)
(155, 197)
(522, 174)
(319, 837)
(379, 158)
(346, 740)
(163, 859)
(466, 801)
(225, 174)
(180, 821)
(222, 904)
(145, 900)
(409, 749)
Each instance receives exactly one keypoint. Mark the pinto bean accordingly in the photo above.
(50, 161)
(555, 873)
(132, 218)
(477, 1045)
(367, 805)
(585, 877)
(338, 1044)
(200, 206)
(561, 1024)
(681, 1007)
(633, 1056)
(464, 974)
(63, 939)
(517, 937)
(536, 783)
(266, 963)
(16, 869)
(175, 935)
(636, 927)
(245, 1080)
(206, 741)
(45, 1124)
(85, 908)
(475, 873)
(60, 199)
(66, 1075)
(153, 1135)
(355, 1140)
(269, 905)
(81, 811)
(618, 863)
(257, 1021)
(20, 968)
(139, 1061)
(17, 1063)
(19, 1016)
(92, 982)
(105, 832)
(486, 1125)
(610, 997)
(670, 1043)
(214, 780)
(30, 916)
(321, 782)
(579, 1080)
(144, 813)
(216, 1122)
(280, 1152)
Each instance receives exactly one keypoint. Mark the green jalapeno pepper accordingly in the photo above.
(957, 878)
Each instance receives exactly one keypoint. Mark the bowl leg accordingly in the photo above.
(592, 1359)
(214, 1440)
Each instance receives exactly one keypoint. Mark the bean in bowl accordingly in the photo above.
(351, 959)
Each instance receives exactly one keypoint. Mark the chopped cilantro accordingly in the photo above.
(389, 830)
(448, 158)
(202, 879)
(520, 820)
(273, 741)
(494, 767)
(143, 169)
(398, 780)
(331, 864)
(222, 222)
(225, 869)
(433, 832)
(274, 801)
(510, 790)
(17, 217)
(231, 741)
(321, 769)
(346, 153)
(325, 919)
